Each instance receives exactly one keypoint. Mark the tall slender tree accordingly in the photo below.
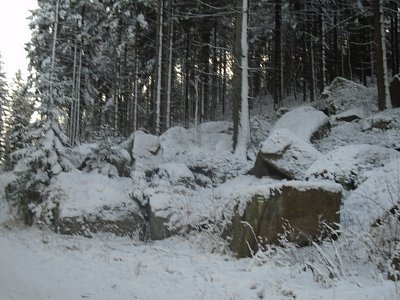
(241, 123)
(381, 62)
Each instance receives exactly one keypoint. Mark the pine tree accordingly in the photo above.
(18, 121)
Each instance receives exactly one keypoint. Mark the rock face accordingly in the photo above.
(314, 129)
(301, 205)
(284, 155)
(81, 203)
(129, 224)
(395, 91)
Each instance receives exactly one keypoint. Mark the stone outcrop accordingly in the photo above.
(129, 224)
(284, 155)
(298, 205)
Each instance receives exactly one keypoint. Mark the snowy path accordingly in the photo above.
(40, 265)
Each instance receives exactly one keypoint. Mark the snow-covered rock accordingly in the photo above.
(263, 213)
(373, 198)
(346, 164)
(343, 94)
(176, 174)
(389, 119)
(306, 122)
(176, 142)
(283, 153)
(351, 115)
(82, 203)
(146, 150)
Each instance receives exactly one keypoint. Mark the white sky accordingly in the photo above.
(14, 33)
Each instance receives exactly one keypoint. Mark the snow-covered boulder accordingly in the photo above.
(82, 203)
(176, 142)
(146, 150)
(346, 164)
(176, 174)
(343, 94)
(373, 198)
(262, 213)
(106, 160)
(285, 155)
(306, 122)
(385, 120)
(351, 115)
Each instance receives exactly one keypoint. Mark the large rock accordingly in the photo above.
(395, 91)
(146, 150)
(351, 115)
(300, 205)
(384, 120)
(306, 122)
(285, 155)
(129, 223)
(343, 94)
(346, 164)
(81, 203)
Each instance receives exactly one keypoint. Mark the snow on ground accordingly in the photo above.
(39, 265)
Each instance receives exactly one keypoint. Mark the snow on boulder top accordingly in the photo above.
(373, 198)
(175, 142)
(216, 127)
(352, 114)
(343, 94)
(88, 194)
(288, 154)
(346, 164)
(304, 121)
(176, 173)
(384, 120)
(145, 151)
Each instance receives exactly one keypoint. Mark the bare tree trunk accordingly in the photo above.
(53, 56)
(278, 86)
(241, 134)
(381, 63)
(170, 47)
(159, 46)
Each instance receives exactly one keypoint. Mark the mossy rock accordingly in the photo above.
(265, 218)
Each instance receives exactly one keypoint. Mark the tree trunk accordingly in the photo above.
(278, 86)
(169, 82)
(159, 45)
(380, 50)
(241, 134)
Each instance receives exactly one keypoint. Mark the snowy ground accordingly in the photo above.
(37, 264)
